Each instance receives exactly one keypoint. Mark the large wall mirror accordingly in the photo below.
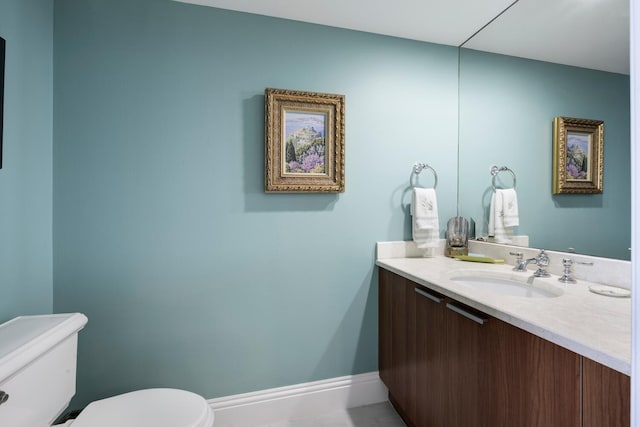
(507, 106)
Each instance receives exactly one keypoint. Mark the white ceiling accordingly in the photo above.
(585, 33)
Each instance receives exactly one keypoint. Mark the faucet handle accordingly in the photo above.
(519, 265)
(518, 255)
(566, 273)
(542, 259)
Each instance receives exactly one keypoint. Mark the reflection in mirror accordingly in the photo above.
(507, 107)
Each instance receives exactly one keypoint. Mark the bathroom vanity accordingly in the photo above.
(459, 355)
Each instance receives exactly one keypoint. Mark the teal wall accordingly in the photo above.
(26, 277)
(191, 276)
(507, 106)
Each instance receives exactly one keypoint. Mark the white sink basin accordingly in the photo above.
(516, 285)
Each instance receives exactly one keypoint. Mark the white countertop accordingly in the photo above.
(595, 326)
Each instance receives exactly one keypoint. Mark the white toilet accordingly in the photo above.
(38, 377)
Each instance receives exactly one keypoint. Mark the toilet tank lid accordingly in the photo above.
(25, 338)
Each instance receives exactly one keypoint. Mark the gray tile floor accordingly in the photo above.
(378, 415)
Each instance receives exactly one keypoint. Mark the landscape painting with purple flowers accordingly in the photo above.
(578, 155)
(305, 144)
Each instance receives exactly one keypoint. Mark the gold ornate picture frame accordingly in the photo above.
(304, 142)
(578, 155)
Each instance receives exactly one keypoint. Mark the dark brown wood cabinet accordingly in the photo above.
(430, 363)
(397, 340)
(534, 382)
(446, 364)
(447, 361)
(606, 396)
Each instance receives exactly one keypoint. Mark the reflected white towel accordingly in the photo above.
(503, 214)
(424, 212)
(510, 207)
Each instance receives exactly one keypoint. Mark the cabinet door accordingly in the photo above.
(526, 380)
(397, 341)
(500, 375)
(431, 359)
(465, 331)
(607, 396)
(448, 357)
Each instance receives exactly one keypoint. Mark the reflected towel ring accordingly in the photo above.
(419, 167)
(495, 170)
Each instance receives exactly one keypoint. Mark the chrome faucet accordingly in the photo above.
(541, 260)
(521, 264)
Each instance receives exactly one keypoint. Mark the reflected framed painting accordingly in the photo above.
(578, 155)
(304, 142)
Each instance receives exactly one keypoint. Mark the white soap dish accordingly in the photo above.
(610, 291)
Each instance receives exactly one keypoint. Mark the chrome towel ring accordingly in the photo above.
(495, 170)
(419, 167)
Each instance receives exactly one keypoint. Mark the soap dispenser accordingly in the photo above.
(457, 237)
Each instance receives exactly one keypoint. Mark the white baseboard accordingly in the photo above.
(298, 401)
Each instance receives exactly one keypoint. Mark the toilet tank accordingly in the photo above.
(37, 368)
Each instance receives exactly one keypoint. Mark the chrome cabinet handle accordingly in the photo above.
(465, 313)
(429, 296)
(3, 397)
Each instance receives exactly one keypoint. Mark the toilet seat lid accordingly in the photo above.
(158, 407)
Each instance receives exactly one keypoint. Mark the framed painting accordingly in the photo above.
(304, 142)
(578, 155)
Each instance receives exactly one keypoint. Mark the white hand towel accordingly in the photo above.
(425, 225)
(503, 214)
(510, 207)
